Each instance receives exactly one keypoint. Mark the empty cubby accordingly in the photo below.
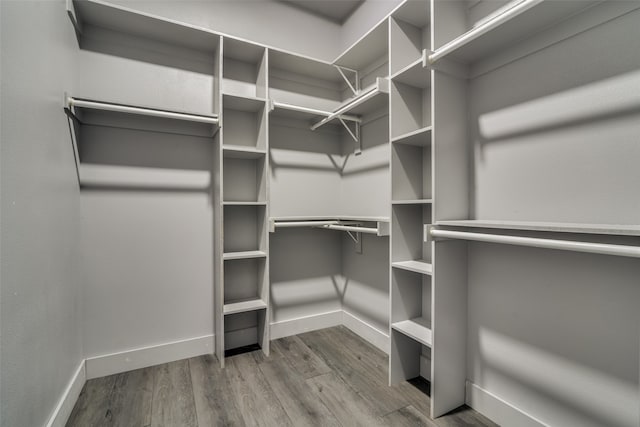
(244, 69)
(407, 224)
(245, 228)
(244, 122)
(411, 170)
(409, 35)
(410, 108)
(244, 179)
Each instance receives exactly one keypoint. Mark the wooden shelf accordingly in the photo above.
(417, 328)
(91, 13)
(244, 305)
(557, 227)
(524, 19)
(367, 50)
(417, 266)
(242, 152)
(244, 255)
(242, 103)
(240, 203)
(412, 202)
(420, 137)
(414, 74)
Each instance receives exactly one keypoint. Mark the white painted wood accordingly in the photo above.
(557, 227)
(425, 367)
(411, 108)
(417, 266)
(249, 304)
(421, 137)
(369, 48)
(241, 152)
(414, 75)
(300, 325)
(407, 227)
(449, 323)
(417, 328)
(68, 398)
(404, 358)
(412, 202)
(109, 364)
(497, 409)
(366, 331)
(244, 255)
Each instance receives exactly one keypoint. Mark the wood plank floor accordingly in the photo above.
(329, 377)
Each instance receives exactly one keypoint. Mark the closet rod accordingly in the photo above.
(565, 245)
(82, 103)
(292, 107)
(485, 27)
(373, 91)
(303, 223)
(355, 229)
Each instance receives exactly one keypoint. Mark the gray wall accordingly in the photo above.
(553, 333)
(41, 335)
(146, 251)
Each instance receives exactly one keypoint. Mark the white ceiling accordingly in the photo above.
(335, 10)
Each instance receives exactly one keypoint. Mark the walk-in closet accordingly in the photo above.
(341, 213)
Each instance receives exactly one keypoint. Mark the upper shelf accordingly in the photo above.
(367, 50)
(523, 19)
(95, 13)
(558, 227)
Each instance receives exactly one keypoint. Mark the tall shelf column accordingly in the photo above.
(242, 245)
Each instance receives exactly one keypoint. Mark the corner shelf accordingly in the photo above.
(369, 48)
(243, 255)
(244, 305)
(417, 328)
(522, 19)
(417, 266)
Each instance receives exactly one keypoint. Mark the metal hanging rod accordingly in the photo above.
(96, 105)
(565, 245)
(284, 106)
(352, 228)
(287, 224)
(365, 96)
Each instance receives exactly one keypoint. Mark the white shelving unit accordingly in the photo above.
(411, 193)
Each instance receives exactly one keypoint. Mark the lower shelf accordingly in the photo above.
(241, 306)
(244, 255)
(417, 328)
(417, 266)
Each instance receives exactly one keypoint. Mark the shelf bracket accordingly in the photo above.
(357, 239)
(355, 88)
(355, 134)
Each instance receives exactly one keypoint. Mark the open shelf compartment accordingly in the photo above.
(245, 231)
(244, 68)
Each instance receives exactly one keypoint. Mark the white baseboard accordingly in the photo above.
(143, 357)
(300, 325)
(69, 397)
(367, 332)
(498, 410)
